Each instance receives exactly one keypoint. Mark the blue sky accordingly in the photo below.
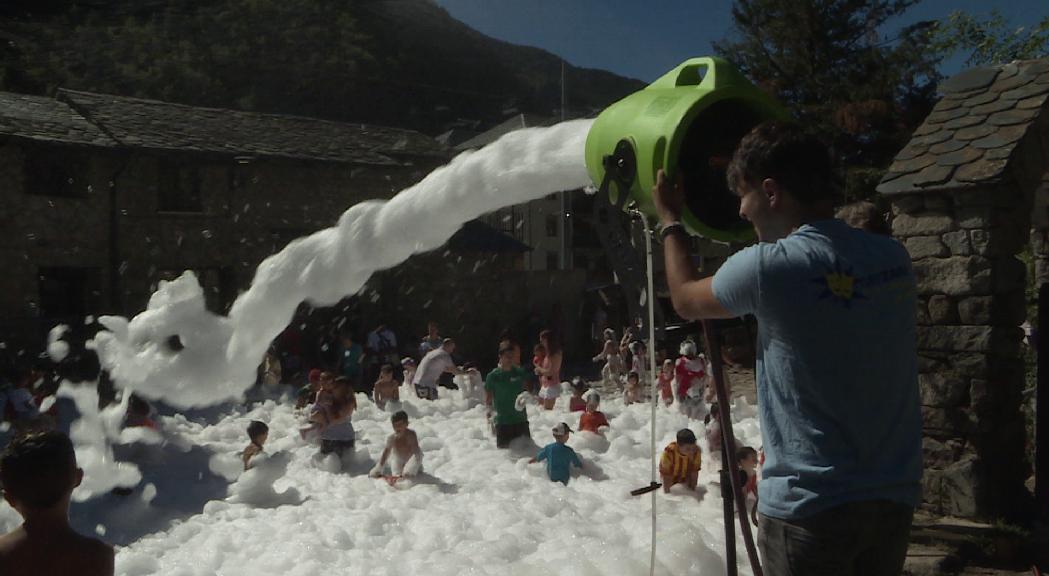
(644, 39)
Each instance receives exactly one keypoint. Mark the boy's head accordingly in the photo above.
(668, 365)
(399, 421)
(506, 355)
(686, 442)
(633, 378)
(687, 349)
(258, 432)
(386, 371)
(593, 400)
(326, 377)
(449, 345)
(579, 386)
(39, 471)
(747, 458)
(539, 350)
(314, 377)
(342, 386)
(561, 432)
(779, 171)
(407, 362)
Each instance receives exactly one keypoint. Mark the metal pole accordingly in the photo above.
(654, 394)
(1041, 417)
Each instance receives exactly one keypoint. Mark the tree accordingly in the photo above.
(829, 63)
(990, 41)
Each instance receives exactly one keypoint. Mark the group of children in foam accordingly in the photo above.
(474, 507)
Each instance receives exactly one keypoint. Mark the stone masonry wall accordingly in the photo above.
(971, 303)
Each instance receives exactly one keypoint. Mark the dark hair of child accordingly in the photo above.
(138, 405)
(257, 428)
(745, 452)
(633, 375)
(686, 436)
(37, 470)
(386, 369)
(399, 416)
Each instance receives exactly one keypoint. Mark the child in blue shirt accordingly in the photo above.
(558, 457)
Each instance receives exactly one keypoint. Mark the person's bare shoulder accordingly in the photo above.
(97, 557)
(8, 543)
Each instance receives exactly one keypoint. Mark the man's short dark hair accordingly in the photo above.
(399, 416)
(782, 151)
(37, 470)
(686, 436)
(257, 428)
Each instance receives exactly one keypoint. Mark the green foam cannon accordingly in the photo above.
(688, 123)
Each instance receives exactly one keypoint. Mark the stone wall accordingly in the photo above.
(971, 303)
(56, 231)
(248, 211)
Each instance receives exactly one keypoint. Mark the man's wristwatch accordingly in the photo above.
(672, 228)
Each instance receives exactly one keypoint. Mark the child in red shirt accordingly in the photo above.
(577, 403)
(593, 419)
(747, 458)
(690, 370)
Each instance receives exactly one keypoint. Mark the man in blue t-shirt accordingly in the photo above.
(837, 365)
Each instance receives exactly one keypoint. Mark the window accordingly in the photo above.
(64, 291)
(552, 260)
(55, 171)
(552, 225)
(180, 188)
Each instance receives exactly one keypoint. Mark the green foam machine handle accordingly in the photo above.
(688, 122)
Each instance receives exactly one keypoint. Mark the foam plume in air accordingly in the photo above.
(214, 357)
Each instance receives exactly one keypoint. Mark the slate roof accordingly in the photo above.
(970, 135)
(47, 120)
(140, 123)
(515, 122)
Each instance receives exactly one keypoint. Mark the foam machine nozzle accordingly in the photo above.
(688, 123)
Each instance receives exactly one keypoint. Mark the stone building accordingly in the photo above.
(103, 196)
(966, 193)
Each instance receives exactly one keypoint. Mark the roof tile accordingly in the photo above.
(1012, 117)
(974, 132)
(947, 146)
(959, 157)
(968, 80)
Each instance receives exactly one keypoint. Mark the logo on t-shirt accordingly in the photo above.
(840, 285)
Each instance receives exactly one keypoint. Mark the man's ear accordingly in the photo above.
(772, 191)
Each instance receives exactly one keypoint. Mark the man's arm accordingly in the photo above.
(692, 296)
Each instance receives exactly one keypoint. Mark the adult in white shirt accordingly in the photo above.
(435, 363)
